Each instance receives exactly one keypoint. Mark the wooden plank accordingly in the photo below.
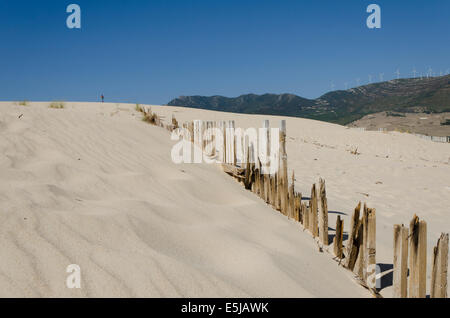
(198, 141)
(223, 130)
(234, 171)
(298, 206)
(257, 177)
(417, 258)
(273, 190)
(339, 237)
(291, 198)
(306, 214)
(190, 127)
(400, 272)
(266, 145)
(313, 221)
(230, 143)
(303, 213)
(261, 181)
(248, 172)
(283, 169)
(352, 245)
(323, 213)
(278, 192)
(360, 260)
(422, 259)
(370, 249)
(439, 274)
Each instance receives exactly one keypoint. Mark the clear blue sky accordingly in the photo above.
(153, 51)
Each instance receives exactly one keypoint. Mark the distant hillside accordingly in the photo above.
(403, 95)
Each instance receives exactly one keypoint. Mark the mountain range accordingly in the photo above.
(429, 95)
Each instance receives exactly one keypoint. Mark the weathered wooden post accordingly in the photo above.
(361, 238)
(232, 139)
(323, 213)
(230, 143)
(198, 141)
(313, 222)
(247, 174)
(261, 180)
(339, 237)
(291, 198)
(370, 249)
(251, 159)
(207, 138)
(352, 244)
(257, 175)
(266, 151)
(191, 130)
(278, 192)
(273, 190)
(306, 214)
(400, 273)
(214, 138)
(440, 268)
(283, 169)
(203, 130)
(298, 207)
(302, 213)
(223, 130)
(417, 258)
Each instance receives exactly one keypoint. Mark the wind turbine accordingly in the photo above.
(398, 74)
(414, 72)
(357, 81)
(332, 86)
(381, 77)
(370, 78)
(430, 72)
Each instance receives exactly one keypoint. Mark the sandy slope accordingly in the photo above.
(421, 123)
(93, 185)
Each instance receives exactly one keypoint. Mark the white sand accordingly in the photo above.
(93, 185)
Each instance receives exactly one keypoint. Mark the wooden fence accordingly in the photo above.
(434, 138)
(359, 254)
(442, 139)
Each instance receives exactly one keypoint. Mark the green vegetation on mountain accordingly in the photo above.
(430, 95)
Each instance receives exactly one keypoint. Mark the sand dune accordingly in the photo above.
(399, 174)
(93, 185)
